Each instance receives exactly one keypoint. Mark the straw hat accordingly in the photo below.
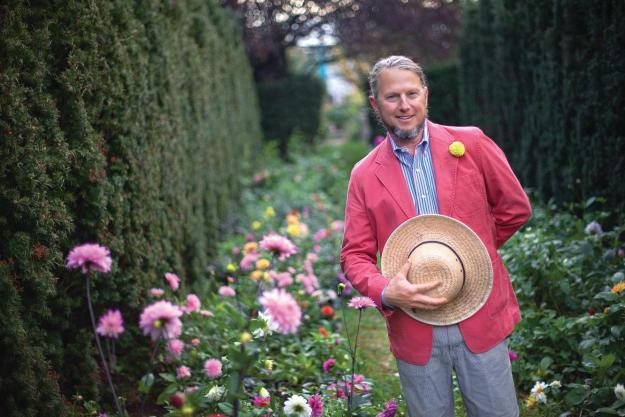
(444, 249)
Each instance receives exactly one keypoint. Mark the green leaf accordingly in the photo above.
(606, 361)
(226, 408)
(167, 392)
(576, 396)
(146, 383)
(168, 377)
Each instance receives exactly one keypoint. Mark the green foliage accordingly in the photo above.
(288, 106)
(566, 272)
(443, 101)
(544, 79)
(120, 122)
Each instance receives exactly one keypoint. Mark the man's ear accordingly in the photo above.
(373, 103)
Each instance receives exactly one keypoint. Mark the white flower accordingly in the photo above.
(539, 392)
(619, 391)
(263, 393)
(555, 384)
(269, 328)
(296, 406)
(215, 393)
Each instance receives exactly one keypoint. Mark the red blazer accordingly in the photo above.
(479, 189)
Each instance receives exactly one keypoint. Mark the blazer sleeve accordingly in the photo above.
(508, 202)
(360, 247)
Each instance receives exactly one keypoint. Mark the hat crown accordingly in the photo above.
(436, 261)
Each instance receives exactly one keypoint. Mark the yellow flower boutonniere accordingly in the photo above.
(456, 149)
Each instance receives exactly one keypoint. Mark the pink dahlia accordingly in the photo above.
(513, 355)
(283, 309)
(212, 368)
(183, 372)
(111, 324)
(316, 405)
(175, 347)
(361, 302)
(248, 260)
(390, 409)
(193, 303)
(89, 257)
(157, 292)
(260, 401)
(173, 280)
(328, 364)
(320, 235)
(279, 245)
(226, 291)
(161, 319)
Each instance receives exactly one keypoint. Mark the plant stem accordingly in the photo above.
(99, 345)
(156, 345)
(351, 387)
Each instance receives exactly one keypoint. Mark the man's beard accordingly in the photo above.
(407, 135)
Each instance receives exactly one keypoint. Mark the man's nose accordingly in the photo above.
(403, 102)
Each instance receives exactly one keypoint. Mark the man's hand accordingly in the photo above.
(401, 293)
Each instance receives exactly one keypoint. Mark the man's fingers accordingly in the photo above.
(429, 303)
(427, 286)
(403, 271)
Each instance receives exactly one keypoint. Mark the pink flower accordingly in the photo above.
(173, 280)
(320, 235)
(337, 226)
(279, 245)
(248, 260)
(283, 309)
(361, 302)
(157, 292)
(193, 303)
(226, 291)
(282, 279)
(390, 409)
(328, 364)
(316, 405)
(161, 319)
(175, 347)
(183, 372)
(206, 313)
(513, 355)
(195, 341)
(212, 368)
(309, 282)
(89, 257)
(111, 324)
(260, 401)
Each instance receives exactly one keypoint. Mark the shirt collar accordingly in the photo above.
(424, 141)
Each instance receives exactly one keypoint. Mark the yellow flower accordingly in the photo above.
(231, 267)
(619, 287)
(268, 364)
(531, 401)
(256, 275)
(269, 213)
(292, 218)
(250, 247)
(262, 264)
(266, 277)
(456, 149)
(256, 225)
(293, 229)
(245, 337)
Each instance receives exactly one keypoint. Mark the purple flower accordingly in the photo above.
(111, 324)
(328, 364)
(161, 319)
(316, 405)
(361, 302)
(513, 355)
(593, 228)
(89, 257)
(390, 408)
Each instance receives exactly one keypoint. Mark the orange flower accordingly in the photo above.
(323, 332)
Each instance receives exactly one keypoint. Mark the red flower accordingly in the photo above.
(323, 332)
(327, 311)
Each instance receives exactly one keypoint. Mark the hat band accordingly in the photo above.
(451, 249)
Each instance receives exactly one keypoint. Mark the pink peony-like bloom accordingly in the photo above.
(226, 291)
(283, 309)
(111, 324)
(328, 364)
(175, 347)
(320, 235)
(212, 368)
(316, 405)
(390, 409)
(309, 282)
(193, 303)
(248, 260)
(173, 280)
(161, 319)
(183, 372)
(279, 245)
(282, 279)
(157, 292)
(361, 302)
(89, 257)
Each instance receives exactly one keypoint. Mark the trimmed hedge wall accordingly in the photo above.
(288, 106)
(444, 98)
(123, 122)
(545, 78)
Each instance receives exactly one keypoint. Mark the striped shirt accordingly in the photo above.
(418, 172)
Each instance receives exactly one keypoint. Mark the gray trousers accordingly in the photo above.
(485, 379)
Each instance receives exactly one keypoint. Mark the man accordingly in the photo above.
(414, 171)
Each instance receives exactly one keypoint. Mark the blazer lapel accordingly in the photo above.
(391, 176)
(445, 167)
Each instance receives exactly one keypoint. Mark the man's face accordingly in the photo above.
(401, 102)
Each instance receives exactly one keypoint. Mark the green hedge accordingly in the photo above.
(545, 79)
(288, 106)
(123, 122)
(444, 98)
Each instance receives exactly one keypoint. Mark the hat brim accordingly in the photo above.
(469, 248)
